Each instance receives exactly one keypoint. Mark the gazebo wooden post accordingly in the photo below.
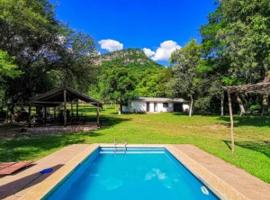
(54, 113)
(65, 107)
(98, 124)
(45, 114)
(29, 116)
(77, 109)
(231, 119)
(71, 108)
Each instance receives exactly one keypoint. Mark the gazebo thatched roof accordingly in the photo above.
(55, 97)
(258, 88)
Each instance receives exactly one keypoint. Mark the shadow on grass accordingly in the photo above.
(228, 144)
(180, 113)
(87, 109)
(109, 121)
(21, 148)
(261, 147)
(24, 148)
(248, 121)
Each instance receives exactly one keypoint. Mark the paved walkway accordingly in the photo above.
(15, 186)
(234, 182)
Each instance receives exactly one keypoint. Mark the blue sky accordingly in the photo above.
(157, 26)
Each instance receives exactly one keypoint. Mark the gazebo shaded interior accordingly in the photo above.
(59, 97)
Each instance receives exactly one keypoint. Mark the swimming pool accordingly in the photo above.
(132, 173)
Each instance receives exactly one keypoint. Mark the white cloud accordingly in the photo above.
(111, 45)
(148, 52)
(163, 52)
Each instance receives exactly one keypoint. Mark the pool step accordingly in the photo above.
(130, 150)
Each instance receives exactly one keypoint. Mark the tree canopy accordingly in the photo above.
(41, 52)
(38, 52)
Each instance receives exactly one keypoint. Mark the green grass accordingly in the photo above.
(210, 133)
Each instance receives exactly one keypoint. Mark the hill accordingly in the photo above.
(151, 78)
(128, 57)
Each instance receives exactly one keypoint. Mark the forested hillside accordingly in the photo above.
(144, 76)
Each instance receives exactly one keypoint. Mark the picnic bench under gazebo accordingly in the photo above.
(59, 98)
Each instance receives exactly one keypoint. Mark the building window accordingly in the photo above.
(165, 105)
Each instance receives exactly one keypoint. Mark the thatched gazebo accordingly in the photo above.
(262, 88)
(59, 97)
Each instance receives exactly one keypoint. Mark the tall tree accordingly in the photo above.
(119, 86)
(185, 67)
(47, 53)
(236, 42)
(77, 68)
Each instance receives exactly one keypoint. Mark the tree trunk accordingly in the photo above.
(241, 105)
(265, 105)
(231, 120)
(222, 105)
(116, 107)
(120, 109)
(98, 123)
(65, 107)
(191, 106)
(11, 110)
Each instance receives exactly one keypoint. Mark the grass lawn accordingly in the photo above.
(210, 133)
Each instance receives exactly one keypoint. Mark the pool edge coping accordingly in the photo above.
(40, 190)
(223, 189)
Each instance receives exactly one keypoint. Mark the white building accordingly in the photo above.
(156, 105)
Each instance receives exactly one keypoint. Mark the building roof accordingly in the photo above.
(161, 99)
(55, 97)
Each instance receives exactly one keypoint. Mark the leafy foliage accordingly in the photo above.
(7, 66)
(237, 40)
(148, 78)
(185, 64)
(186, 68)
(47, 53)
(119, 86)
(235, 50)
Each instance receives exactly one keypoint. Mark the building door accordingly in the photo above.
(155, 107)
(177, 107)
(147, 106)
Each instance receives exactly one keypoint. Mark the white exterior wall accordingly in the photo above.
(185, 107)
(138, 106)
(151, 107)
(170, 107)
(135, 106)
(141, 106)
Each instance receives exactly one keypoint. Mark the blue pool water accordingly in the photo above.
(137, 174)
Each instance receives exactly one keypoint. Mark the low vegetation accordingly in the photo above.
(209, 133)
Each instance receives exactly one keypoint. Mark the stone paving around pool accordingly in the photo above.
(227, 181)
